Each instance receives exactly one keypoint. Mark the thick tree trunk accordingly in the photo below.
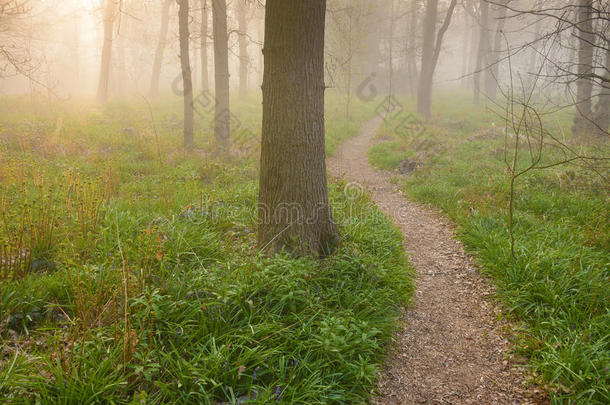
(584, 84)
(244, 60)
(294, 210)
(492, 79)
(187, 80)
(205, 85)
(424, 90)
(156, 71)
(222, 120)
(109, 16)
(483, 49)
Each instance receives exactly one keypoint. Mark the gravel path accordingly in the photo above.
(451, 349)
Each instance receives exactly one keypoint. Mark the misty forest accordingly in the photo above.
(304, 202)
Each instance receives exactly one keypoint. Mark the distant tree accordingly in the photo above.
(161, 44)
(584, 85)
(205, 85)
(571, 39)
(294, 210)
(222, 118)
(187, 80)
(601, 116)
(244, 61)
(432, 45)
(346, 33)
(14, 56)
(110, 13)
(492, 74)
(411, 47)
(483, 48)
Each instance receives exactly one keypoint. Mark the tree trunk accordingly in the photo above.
(482, 49)
(391, 52)
(187, 81)
(222, 118)
(156, 71)
(244, 61)
(349, 67)
(121, 70)
(109, 15)
(424, 99)
(205, 85)
(493, 72)
(474, 52)
(261, 38)
(294, 210)
(602, 112)
(584, 84)
(424, 90)
(465, 48)
(412, 49)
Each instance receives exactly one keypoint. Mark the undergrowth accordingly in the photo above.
(558, 284)
(137, 279)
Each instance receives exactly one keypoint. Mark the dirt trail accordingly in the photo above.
(451, 349)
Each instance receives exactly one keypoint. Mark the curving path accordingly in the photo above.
(451, 348)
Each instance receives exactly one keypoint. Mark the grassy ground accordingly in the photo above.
(558, 284)
(129, 272)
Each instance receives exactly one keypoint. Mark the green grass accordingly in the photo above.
(558, 285)
(165, 299)
(387, 155)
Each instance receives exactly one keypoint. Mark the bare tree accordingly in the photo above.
(294, 210)
(14, 56)
(493, 73)
(161, 44)
(110, 12)
(575, 36)
(244, 61)
(205, 85)
(187, 80)
(222, 119)
(411, 43)
(584, 85)
(483, 48)
(432, 45)
(346, 32)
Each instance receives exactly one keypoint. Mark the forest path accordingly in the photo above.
(450, 349)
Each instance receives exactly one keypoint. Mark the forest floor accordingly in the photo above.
(452, 347)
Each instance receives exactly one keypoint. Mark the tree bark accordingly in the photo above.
(482, 49)
(187, 80)
(222, 118)
(156, 71)
(294, 210)
(244, 60)
(109, 16)
(584, 84)
(205, 85)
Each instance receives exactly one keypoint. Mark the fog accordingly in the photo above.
(54, 47)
